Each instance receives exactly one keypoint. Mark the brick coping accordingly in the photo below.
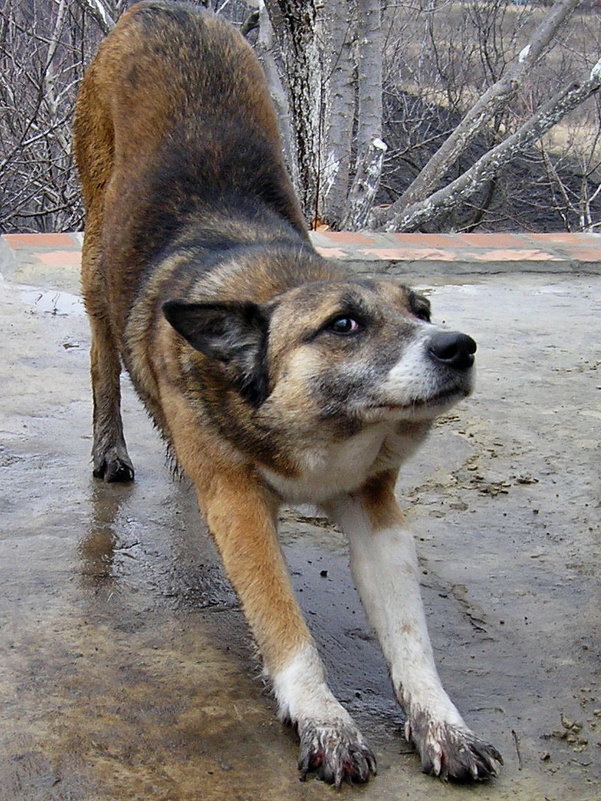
(376, 249)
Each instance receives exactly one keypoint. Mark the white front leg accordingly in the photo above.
(385, 569)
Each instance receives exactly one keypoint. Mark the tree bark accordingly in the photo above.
(266, 52)
(365, 186)
(370, 146)
(294, 24)
(98, 11)
(338, 33)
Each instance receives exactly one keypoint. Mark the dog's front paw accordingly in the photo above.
(452, 752)
(336, 752)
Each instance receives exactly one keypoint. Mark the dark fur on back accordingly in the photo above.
(204, 162)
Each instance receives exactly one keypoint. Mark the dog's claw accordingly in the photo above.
(453, 752)
(336, 753)
(115, 468)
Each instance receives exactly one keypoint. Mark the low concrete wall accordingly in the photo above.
(400, 254)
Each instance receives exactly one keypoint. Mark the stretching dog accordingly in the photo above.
(271, 375)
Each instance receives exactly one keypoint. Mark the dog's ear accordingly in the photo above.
(234, 334)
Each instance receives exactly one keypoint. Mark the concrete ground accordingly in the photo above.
(126, 668)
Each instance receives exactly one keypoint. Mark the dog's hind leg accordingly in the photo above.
(385, 568)
(110, 458)
(93, 149)
(109, 452)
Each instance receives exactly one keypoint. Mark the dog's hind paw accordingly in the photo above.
(114, 466)
(452, 752)
(335, 752)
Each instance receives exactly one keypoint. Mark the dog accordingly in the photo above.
(272, 375)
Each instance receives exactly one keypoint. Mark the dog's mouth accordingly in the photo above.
(433, 404)
(439, 399)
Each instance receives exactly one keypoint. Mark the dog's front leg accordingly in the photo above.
(242, 516)
(385, 569)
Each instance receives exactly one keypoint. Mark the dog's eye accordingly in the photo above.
(423, 314)
(345, 326)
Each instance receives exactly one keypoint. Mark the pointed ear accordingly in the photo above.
(234, 334)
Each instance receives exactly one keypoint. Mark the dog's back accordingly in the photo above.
(173, 124)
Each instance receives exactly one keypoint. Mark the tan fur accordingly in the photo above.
(242, 516)
(380, 502)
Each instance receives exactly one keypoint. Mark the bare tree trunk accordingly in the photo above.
(365, 186)
(49, 79)
(370, 146)
(488, 166)
(338, 32)
(294, 24)
(265, 50)
(482, 112)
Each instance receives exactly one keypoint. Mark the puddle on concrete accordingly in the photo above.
(127, 671)
(53, 302)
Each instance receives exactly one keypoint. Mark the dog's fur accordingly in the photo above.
(272, 376)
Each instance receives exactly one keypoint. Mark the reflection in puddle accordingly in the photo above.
(98, 548)
(58, 304)
(165, 556)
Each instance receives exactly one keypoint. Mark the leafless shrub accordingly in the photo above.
(462, 87)
(42, 51)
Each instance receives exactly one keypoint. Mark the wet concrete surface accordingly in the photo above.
(126, 670)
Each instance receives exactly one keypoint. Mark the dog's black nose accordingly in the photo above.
(452, 348)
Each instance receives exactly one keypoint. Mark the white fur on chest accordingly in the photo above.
(341, 467)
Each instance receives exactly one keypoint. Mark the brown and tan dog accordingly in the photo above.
(272, 376)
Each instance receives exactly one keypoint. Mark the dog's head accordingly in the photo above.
(349, 351)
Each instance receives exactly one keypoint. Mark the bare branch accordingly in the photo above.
(546, 117)
(490, 103)
(98, 12)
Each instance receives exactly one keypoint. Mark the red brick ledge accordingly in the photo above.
(556, 252)
(474, 248)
